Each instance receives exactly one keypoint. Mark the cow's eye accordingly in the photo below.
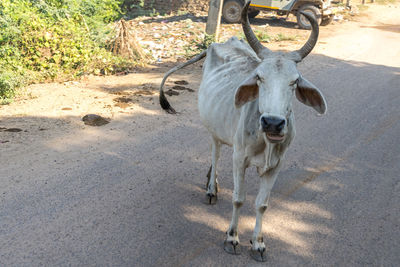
(294, 82)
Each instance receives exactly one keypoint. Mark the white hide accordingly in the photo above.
(227, 66)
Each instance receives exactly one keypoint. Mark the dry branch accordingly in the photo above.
(125, 43)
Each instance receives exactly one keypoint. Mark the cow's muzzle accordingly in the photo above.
(273, 126)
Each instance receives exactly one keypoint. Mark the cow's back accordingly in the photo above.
(226, 66)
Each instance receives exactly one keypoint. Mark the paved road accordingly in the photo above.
(133, 194)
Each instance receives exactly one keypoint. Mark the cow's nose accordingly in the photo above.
(272, 124)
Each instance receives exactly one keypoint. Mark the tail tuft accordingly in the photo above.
(163, 100)
(165, 104)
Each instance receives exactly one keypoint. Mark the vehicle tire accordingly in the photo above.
(253, 13)
(302, 21)
(326, 20)
(232, 10)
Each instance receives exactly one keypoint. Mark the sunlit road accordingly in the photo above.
(133, 195)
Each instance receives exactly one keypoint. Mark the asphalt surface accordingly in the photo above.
(134, 195)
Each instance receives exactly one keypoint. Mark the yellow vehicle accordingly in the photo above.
(320, 9)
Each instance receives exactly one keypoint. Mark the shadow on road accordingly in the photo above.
(385, 27)
(130, 194)
(176, 18)
(272, 21)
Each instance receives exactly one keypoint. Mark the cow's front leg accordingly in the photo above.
(258, 251)
(212, 182)
(231, 244)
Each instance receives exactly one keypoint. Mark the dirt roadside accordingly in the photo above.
(130, 192)
(48, 111)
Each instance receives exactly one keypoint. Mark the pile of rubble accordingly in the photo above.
(174, 37)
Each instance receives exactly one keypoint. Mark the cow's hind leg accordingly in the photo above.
(258, 251)
(231, 244)
(212, 182)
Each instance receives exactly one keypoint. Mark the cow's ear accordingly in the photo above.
(309, 95)
(247, 91)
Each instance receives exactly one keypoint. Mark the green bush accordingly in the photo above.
(42, 40)
(8, 82)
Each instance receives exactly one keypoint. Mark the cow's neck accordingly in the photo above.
(264, 154)
(274, 152)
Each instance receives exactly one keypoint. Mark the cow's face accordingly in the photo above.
(274, 82)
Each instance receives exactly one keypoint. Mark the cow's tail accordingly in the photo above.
(163, 100)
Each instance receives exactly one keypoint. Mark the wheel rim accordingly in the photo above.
(304, 20)
(232, 13)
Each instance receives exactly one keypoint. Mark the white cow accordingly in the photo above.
(245, 101)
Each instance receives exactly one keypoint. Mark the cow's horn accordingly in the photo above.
(248, 32)
(312, 40)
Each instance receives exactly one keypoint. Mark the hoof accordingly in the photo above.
(216, 186)
(259, 254)
(232, 247)
(211, 199)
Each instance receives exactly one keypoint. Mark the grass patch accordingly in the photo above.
(266, 38)
(263, 36)
(282, 37)
(5, 101)
(385, 2)
(198, 45)
(362, 8)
